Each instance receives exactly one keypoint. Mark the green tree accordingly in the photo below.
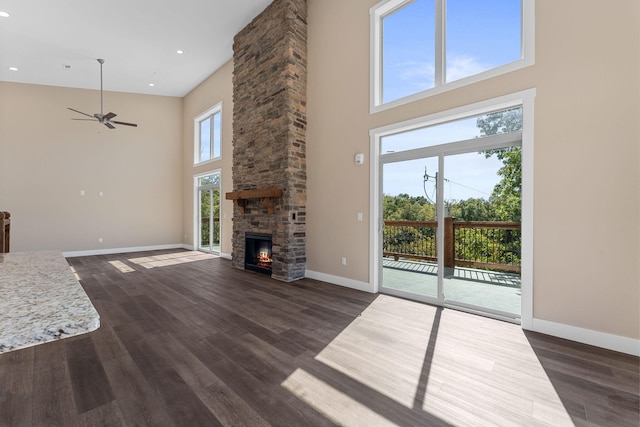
(473, 209)
(205, 215)
(409, 240)
(409, 208)
(507, 194)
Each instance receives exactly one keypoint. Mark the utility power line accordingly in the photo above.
(426, 177)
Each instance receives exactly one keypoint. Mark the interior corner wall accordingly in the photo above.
(47, 159)
(215, 89)
(586, 158)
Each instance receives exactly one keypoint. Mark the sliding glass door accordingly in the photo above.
(410, 228)
(482, 235)
(450, 198)
(208, 193)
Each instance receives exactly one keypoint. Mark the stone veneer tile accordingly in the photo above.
(269, 132)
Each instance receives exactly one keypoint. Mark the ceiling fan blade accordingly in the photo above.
(109, 116)
(84, 114)
(109, 125)
(89, 120)
(124, 123)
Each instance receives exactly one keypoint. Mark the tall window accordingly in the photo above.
(208, 135)
(424, 47)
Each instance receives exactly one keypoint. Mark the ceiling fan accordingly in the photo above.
(105, 119)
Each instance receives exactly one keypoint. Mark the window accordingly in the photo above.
(207, 131)
(472, 128)
(424, 47)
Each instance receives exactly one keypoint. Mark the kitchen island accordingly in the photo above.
(41, 300)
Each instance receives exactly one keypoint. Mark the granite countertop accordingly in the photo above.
(41, 300)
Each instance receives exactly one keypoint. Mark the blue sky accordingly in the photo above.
(205, 137)
(468, 175)
(480, 35)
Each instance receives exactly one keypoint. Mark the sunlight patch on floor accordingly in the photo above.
(364, 348)
(330, 402)
(121, 266)
(171, 259)
(458, 367)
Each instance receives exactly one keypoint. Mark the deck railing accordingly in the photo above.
(204, 231)
(493, 245)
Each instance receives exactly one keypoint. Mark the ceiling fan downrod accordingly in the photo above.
(101, 61)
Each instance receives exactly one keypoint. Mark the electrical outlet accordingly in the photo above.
(99, 239)
(344, 260)
(359, 217)
(82, 192)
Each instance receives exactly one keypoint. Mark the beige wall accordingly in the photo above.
(587, 162)
(586, 182)
(46, 159)
(217, 88)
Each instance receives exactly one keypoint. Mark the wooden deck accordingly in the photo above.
(497, 291)
(186, 340)
(472, 274)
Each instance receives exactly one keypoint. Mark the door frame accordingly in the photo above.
(196, 208)
(526, 100)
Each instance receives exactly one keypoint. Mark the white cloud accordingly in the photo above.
(418, 74)
(460, 66)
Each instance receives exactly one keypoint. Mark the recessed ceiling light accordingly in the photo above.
(13, 69)
(151, 84)
(179, 52)
(4, 14)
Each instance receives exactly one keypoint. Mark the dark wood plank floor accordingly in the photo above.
(185, 340)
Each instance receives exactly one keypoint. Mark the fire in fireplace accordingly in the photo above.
(257, 253)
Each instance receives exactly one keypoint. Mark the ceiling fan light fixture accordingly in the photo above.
(13, 68)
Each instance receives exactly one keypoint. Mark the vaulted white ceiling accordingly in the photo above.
(57, 42)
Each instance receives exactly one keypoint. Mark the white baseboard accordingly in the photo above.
(588, 336)
(341, 281)
(225, 255)
(73, 254)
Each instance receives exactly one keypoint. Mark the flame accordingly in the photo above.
(264, 260)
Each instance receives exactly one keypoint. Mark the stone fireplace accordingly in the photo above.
(269, 136)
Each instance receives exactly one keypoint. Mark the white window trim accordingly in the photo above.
(386, 7)
(196, 134)
(526, 100)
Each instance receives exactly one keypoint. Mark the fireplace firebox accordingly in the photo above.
(257, 253)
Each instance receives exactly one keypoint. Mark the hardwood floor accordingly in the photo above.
(185, 340)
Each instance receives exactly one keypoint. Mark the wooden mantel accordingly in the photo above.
(267, 197)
